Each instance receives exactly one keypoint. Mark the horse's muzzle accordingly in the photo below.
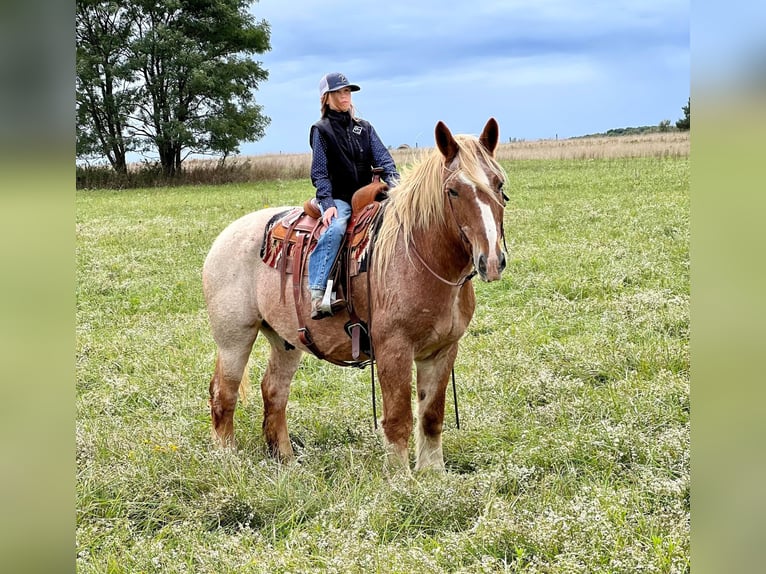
(491, 268)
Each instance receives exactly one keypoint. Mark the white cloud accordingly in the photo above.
(461, 61)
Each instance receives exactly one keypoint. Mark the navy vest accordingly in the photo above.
(349, 155)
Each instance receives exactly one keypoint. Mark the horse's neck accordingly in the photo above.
(445, 254)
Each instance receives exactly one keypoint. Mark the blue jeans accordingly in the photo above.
(323, 256)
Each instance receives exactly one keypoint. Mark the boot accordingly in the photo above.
(318, 311)
(323, 305)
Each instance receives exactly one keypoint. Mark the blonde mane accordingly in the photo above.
(418, 201)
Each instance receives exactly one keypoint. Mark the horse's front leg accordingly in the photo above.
(394, 362)
(432, 380)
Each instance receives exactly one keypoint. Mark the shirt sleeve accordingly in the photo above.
(320, 175)
(382, 158)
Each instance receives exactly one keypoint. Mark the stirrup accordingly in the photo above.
(329, 305)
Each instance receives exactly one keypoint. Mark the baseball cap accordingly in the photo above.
(335, 81)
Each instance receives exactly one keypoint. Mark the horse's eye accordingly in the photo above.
(501, 192)
(452, 192)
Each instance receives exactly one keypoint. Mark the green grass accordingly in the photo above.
(573, 452)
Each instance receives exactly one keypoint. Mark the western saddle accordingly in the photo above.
(290, 238)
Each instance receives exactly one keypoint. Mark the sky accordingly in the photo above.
(542, 68)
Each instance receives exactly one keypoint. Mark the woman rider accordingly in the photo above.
(344, 151)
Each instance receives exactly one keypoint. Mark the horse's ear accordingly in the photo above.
(490, 135)
(445, 142)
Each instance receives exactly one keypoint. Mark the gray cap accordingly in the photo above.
(333, 82)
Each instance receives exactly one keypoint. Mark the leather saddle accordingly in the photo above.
(292, 236)
(297, 231)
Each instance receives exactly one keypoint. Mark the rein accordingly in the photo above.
(439, 277)
(369, 316)
(463, 236)
(372, 362)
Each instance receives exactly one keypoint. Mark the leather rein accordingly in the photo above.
(463, 236)
(459, 283)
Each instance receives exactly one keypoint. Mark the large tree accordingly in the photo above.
(186, 79)
(104, 83)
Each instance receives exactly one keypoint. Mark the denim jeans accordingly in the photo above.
(323, 256)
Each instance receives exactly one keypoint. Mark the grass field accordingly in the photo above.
(573, 378)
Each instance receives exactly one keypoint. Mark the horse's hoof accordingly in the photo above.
(223, 443)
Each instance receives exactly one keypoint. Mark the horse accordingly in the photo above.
(440, 226)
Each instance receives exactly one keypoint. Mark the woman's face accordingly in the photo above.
(340, 100)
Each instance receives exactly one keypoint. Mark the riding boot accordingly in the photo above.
(324, 304)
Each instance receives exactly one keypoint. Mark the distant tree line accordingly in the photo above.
(661, 127)
(682, 124)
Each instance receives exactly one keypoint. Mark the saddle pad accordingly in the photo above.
(281, 236)
(359, 235)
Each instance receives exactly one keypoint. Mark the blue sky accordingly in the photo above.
(543, 68)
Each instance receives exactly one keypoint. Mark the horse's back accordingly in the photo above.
(234, 259)
(241, 240)
(248, 228)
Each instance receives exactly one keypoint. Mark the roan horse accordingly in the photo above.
(440, 225)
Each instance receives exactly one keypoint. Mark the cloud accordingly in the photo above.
(410, 37)
(464, 61)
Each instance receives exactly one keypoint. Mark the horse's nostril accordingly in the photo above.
(482, 263)
(502, 261)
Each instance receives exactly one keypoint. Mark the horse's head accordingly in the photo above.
(473, 187)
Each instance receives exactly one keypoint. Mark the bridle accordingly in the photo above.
(446, 190)
(460, 283)
(454, 217)
(462, 234)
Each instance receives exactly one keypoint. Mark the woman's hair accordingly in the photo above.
(325, 105)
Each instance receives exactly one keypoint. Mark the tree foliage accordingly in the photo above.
(685, 122)
(104, 84)
(172, 76)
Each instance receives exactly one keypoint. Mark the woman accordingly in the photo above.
(344, 151)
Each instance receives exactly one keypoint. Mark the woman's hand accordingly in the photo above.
(328, 215)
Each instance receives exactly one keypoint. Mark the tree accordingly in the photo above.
(685, 122)
(104, 87)
(185, 82)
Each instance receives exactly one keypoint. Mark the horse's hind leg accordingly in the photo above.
(230, 366)
(432, 380)
(275, 389)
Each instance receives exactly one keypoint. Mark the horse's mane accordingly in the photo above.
(418, 201)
